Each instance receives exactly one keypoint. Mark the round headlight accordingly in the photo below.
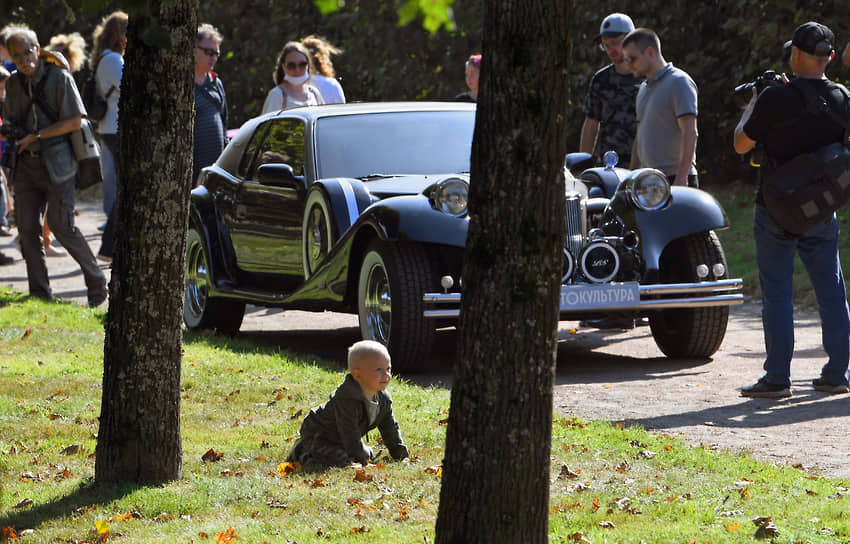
(452, 196)
(650, 190)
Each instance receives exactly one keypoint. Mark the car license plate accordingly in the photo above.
(602, 295)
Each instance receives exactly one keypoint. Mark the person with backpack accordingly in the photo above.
(43, 107)
(210, 101)
(107, 66)
(780, 120)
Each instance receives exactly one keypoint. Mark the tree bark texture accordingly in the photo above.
(496, 469)
(139, 437)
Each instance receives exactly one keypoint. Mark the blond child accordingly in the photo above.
(332, 434)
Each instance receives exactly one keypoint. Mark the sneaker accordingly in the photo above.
(5, 259)
(763, 389)
(51, 251)
(5, 230)
(819, 384)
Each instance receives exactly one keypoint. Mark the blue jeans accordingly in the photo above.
(818, 250)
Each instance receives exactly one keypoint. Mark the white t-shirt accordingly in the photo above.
(330, 88)
(278, 100)
(108, 75)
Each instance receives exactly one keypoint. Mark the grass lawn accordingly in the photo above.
(244, 402)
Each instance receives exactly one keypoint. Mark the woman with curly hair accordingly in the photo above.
(292, 81)
(107, 64)
(324, 75)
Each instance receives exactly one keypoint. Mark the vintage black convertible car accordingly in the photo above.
(362, 208)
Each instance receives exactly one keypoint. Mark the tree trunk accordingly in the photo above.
(496, 469)
(139, 437)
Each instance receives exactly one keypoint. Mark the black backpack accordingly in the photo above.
(95, 104)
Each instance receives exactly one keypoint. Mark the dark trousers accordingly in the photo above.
(33, 189)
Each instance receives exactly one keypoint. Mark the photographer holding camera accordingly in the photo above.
(44, 105)
(780, 120)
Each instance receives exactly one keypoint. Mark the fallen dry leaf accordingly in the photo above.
(102, 527)
(287, 469)
(211, 456)
(24, 503)
(72, 449)
(26, 334)
(436, 470)
(359, 530)
(226, 537)
(768, 530)
(361, 476)
(8, 533)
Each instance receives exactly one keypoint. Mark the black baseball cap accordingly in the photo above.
(813, 38)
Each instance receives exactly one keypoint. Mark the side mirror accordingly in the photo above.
(278, 175)
(577, 163)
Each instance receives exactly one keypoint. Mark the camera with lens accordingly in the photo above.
(12, 133)
(742, 93)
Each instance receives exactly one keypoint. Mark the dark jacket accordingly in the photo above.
(344, 420)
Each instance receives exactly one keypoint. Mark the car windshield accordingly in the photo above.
(414, 142)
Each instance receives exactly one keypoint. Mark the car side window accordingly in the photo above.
(283, 142)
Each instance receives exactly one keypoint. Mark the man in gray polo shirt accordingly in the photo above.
(43, 102)
(666, 111)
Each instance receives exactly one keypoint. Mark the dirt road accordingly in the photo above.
(618, 376)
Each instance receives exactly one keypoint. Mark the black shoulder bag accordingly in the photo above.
(810, 187)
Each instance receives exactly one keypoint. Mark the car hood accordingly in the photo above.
(406, 184)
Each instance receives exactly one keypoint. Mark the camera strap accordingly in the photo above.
(39, 98)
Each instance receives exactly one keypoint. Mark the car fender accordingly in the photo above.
(690, 211)
(413, 218)
(348, 198)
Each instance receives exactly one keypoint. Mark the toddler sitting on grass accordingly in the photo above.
(331, 434)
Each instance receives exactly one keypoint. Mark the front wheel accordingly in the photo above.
(690, 333)
(391, 283)
(200, 310)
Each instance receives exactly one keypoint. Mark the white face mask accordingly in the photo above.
(297, 80)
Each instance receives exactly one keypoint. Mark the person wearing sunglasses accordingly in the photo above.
(292, 81)
(44, 105)
(609, 118)
(666, 109)
(609, 107)
(210, 101)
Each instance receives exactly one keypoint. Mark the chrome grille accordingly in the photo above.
(576, 224)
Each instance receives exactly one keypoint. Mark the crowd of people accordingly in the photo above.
(645, 109)
(37, 192)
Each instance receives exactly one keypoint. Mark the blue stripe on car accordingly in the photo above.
(350, 201)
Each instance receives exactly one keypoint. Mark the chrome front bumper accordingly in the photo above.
(585, 298)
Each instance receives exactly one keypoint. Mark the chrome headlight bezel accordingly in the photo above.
(451, 196)
(648, 189)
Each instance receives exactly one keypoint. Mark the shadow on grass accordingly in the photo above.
(260, 343)
(88, 495)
